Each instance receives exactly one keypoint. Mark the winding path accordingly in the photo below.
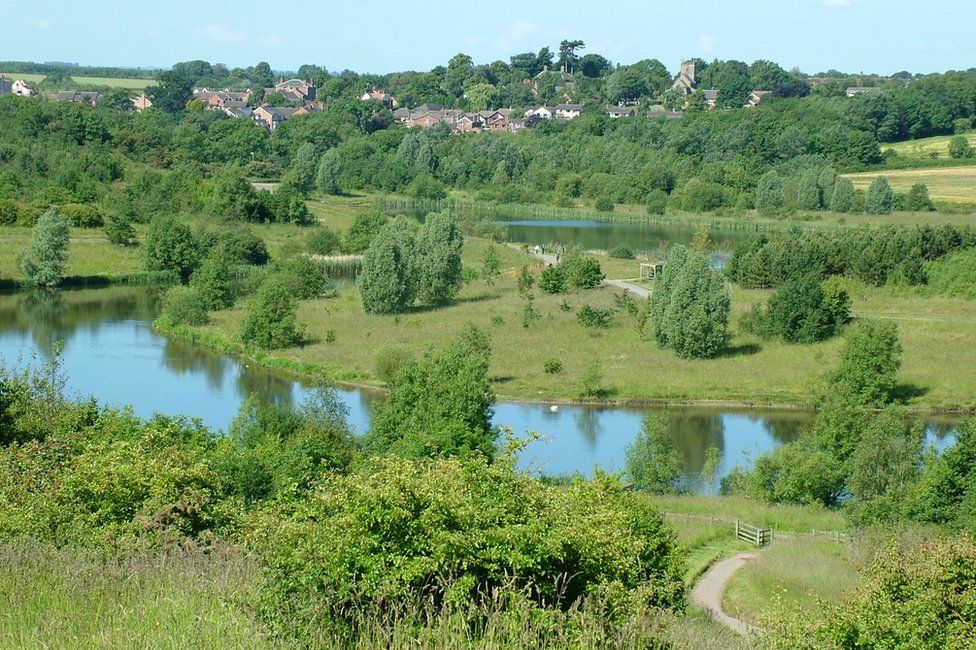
(707, 593)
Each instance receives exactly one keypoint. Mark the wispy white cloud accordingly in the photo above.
(220, 34)
(838, 3)
(43, 24)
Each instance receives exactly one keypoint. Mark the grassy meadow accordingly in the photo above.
(89, 253)
(131, 83)
(946, 184)
(936, 146)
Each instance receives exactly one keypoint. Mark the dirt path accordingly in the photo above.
(707, 594)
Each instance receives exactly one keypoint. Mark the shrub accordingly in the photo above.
(390, 360)
(8, 212)
(211, 280)
(46, 255)
(582, 272)
(959, 147)
(954, 274)
(593, 317)
(880, 198)
(82, 215)
(388, 281)
(552, 280)
(322, 241)
(869, 363)
(270, 319)
(842, 196)
(302, 276)
(241, 246)
(440, 404)
(529, 314)
(169, 245)
(464, 533)
(364, 228)
(185, 306)
(656, 202)
(426, 187)
(604, 204)
(800, 311)
(591, 381)
(119, 231)
(918, 198)
(552, 366)
(621, 252)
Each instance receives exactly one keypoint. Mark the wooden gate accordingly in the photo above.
(752, 534)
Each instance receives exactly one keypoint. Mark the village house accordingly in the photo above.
(711, 97)
(294, 90)
(6, 87)
(270, 117)
(386, 99)
(755, 97)
(567, 111)
(16, 87)
(686, 82)
(620, 111)
(141, 103)
(540, 112)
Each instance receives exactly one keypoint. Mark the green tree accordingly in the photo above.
(842, 196)
(212, 281)
(653, 462)
(567, 54)
(801, 312)
(918, 198)
(170, 246)
(959, 147)
(364, 228)
(880, 198)
(438, 247)
(869, 363)
(171, 92)
(553, 280)
(328, 173)
(808, 191)
(440, 404)
(491, 266)
(119, 231)
(46, 255)
(388, 281)
(769, 193)
(185, 306)
(270, 320)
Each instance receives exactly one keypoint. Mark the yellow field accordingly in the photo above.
(925, 147)
(951, 184)
(132, 84)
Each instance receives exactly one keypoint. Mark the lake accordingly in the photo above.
(109, 351)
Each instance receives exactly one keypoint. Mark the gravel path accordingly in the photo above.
(707, 594)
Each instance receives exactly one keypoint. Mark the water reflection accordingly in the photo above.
(110, 352)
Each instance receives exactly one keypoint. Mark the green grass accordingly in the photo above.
(785, 518)
(89, 253)
(68, 599)
(927, 147)
(938, 334)
(791, 575)
(948, 184)
(123, 82)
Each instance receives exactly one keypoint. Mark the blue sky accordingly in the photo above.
(380, 36)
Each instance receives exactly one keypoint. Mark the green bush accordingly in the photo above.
(656, 202)
(8, 212)
(426, 187)
(438, 259)
(185, 306)
(169, 245)
(364, 228)
(918, 198)
(241, 246)
(552, 280)
(582, 272)
(270, 319)
(463, 532)
(880, 198)
(604, 204)
(594, 317)
(388, 282)
(322, 241)
(119, 231)
(82, 215)
(552, 366)
(954, 274)
(801, 311)
(302, 276)
(390, 360)
(959, 147)
(621, 252)
(211, 280)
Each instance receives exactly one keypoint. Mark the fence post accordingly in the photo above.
(737, 529)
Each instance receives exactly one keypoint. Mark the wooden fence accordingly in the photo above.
(836, 535)
(753, 534)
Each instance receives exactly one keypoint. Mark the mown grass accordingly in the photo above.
(791, 575)
(123, 82)
(950, 184)
(52, 598)
(926, 147)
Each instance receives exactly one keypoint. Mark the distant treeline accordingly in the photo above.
(29, 67)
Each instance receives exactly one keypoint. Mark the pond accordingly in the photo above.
(109, 351)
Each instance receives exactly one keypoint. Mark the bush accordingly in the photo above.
(8, 212)
(591, 381)
(582, 272)
(621, 252)
(303, 277)
(390, 360)
(959, 147)
(322, 241)
(552, 366)
(426, 187)
(170, 245)
(270, 319)
(769, 193)
(954, 274)
(82, 215)
(119, 231)
(843, 195)
(241, 246)
(592, 317)
(464, 533)
(438, 263)
(801, 311)
(869, 363)
(364, 228)
(552, 280)
(46, 255)
(656, 202)
(604, 204)
(185, 306)
(918, 198)
(211, 280)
